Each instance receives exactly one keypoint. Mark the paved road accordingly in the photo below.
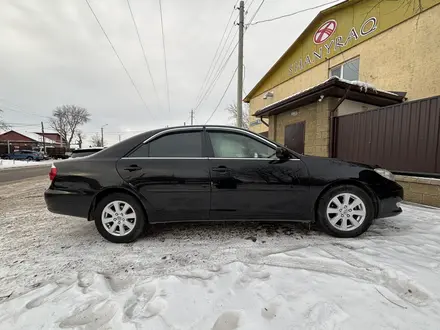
(16, 174)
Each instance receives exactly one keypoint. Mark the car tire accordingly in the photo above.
(345, 211)
(111, 230)
(29, 158)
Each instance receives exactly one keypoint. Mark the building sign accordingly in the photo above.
(328, 42)
(325, 31)
(336, 30)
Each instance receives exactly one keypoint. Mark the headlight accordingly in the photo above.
(385, 173)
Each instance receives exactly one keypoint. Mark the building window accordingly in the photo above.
(348, 70)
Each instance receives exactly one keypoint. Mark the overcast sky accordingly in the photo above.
(52, 52)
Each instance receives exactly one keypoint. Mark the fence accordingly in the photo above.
(402, 138)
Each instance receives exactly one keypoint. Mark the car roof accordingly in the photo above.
(125, 146)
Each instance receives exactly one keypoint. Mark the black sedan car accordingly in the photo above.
(217, 173)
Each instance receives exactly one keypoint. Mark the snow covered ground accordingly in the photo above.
(57, 272)
(9, 163)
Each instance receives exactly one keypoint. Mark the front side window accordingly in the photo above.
(348, 70)
(233, 145)
(185, 145)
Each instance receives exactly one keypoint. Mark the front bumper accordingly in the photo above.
(389, 207)
(67, 203)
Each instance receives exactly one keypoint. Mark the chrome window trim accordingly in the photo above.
(170, 130)
(207, 129)
(206, 158)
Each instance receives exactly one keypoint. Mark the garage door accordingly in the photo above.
(294, 136)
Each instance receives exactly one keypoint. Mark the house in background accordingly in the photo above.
(20, 140)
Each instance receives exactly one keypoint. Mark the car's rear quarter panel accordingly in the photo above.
(77, 182)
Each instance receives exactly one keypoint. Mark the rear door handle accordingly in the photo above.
(133, 168)
(221, 169)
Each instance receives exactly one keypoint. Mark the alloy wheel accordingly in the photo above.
(118, 218)
(346, 212)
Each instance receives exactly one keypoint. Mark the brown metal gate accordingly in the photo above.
(294, 137)
(402, 137)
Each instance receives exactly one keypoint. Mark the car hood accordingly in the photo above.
(336, 161)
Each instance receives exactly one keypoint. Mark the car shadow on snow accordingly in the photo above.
(229, 230)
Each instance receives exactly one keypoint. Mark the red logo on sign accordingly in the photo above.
(325, 31)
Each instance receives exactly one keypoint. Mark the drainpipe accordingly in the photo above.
(262, 120)
(332, 140)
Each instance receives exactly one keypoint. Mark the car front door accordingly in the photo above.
(171, 174)
(250, 182)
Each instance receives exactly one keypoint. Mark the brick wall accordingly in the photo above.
(316, 117)
(420, 190)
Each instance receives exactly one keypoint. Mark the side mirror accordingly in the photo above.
(282, 153)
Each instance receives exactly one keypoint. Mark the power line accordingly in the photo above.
(292, 14)
(8, 108)
(212, 65)
(119, 58)
(164, 55)
(218, 73)
(223, 96)
(250, 5)
(143, 51)
(256, 12)
(222, 67)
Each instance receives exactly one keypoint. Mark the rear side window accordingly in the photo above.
(185, 145)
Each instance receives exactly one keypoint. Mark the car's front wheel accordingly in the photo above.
(345, 211)
(120, 218)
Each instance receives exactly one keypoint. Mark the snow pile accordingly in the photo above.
(364, 86)
(9, 163)
(233, 296)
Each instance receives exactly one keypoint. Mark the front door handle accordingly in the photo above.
(220, 169)
(133, 168)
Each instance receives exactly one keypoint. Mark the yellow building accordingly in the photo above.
(393, 45)
(355, 57)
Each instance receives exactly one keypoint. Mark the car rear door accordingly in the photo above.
(171, 174)
(249, 182)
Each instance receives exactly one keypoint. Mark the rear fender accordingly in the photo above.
(124, 189)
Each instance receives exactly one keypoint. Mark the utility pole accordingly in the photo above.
(192, 117)
(119, 137)
(240, 66)
(102, 135)
(44, 140)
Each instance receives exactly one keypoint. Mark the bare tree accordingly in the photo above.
(3, 125)
(80, 136)
(96, 140)
(66, 120)
(233, 114)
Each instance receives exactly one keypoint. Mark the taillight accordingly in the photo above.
(53, 172)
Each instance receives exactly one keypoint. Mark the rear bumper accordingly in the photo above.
(67, 203)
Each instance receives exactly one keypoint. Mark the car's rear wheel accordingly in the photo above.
(29, 158)
(345, 211)
(120, 218)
